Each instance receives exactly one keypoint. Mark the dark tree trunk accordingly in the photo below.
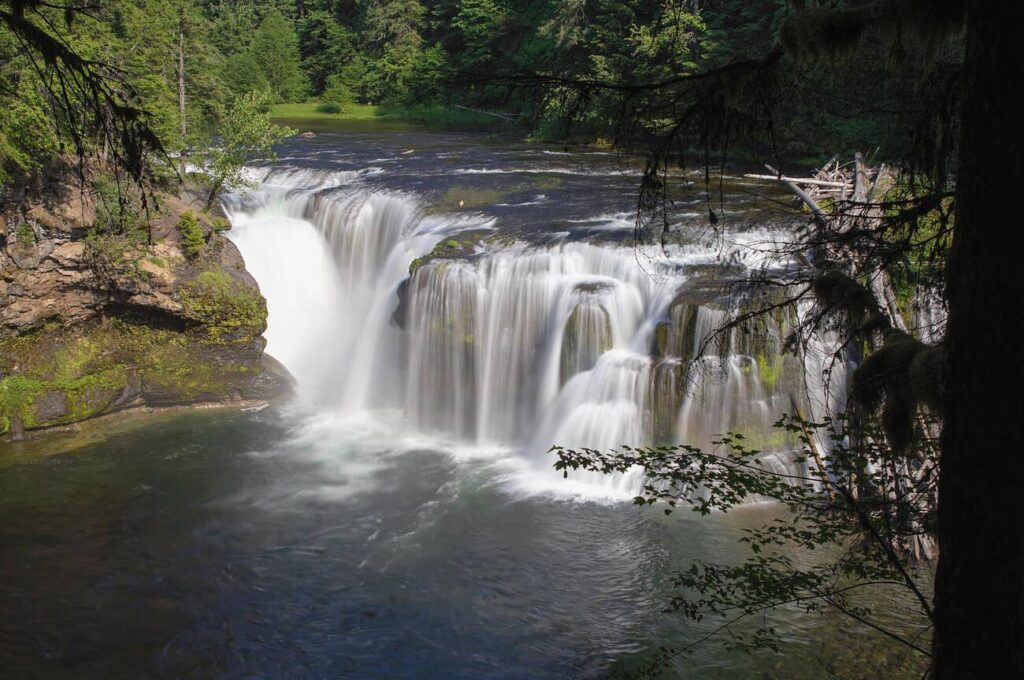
(181, 93)
(979, 590)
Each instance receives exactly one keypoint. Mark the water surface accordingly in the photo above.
(357, 532)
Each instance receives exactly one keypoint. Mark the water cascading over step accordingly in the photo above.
(519, 345)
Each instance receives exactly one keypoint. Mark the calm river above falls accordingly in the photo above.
(399, 517)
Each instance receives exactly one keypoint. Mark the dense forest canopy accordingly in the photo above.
(544, 62)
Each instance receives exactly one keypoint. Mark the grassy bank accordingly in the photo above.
(427, 115)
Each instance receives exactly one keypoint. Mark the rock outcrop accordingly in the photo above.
(92, 323)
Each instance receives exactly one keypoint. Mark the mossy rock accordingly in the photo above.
(228, 309)
(57, 376)
(455, 246)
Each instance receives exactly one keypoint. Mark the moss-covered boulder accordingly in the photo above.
(93, 322)
(57, 375)
(456, 246)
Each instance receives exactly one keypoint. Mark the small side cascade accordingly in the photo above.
(446, 302)
(587, 335)
(742, 381)
(602, 408)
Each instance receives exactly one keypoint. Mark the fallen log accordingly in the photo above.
(802, 180)
(820, 217)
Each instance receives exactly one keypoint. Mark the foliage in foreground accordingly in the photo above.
(848, 528)
(245, 131)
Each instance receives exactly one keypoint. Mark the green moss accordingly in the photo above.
(228, 309)
(78, 375)
(459, 246)
(56, 376)
(769, 370)
(24, 234)
(90, 394)
(930, 232)
(17, 397)
(171, 368)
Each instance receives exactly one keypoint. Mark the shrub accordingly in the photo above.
(116, 212)
(192, 238)
(26, 237)
(337, 96)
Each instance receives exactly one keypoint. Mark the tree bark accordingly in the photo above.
(214, 190)
(181, 93)
(979, 589)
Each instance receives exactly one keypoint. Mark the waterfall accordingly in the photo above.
(494, 343)
(294, 268)
(446, 303)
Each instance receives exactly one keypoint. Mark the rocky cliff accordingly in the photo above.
(94, 321)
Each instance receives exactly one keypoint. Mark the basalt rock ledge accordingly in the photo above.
(93, 322)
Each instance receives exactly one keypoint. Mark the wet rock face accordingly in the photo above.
(93, 326)
(587, 336)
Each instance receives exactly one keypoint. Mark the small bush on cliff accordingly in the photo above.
(116, 212)
(192, 238)
(26, 237)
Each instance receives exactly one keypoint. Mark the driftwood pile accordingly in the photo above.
(844, 198)
(852, 195)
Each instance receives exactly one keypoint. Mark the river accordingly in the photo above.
(399, 517)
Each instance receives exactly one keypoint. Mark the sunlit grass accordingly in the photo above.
(438, 115)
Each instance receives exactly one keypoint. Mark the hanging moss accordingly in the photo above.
(898, 377)
(769, 370)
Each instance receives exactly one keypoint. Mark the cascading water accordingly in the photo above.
(515, 345)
